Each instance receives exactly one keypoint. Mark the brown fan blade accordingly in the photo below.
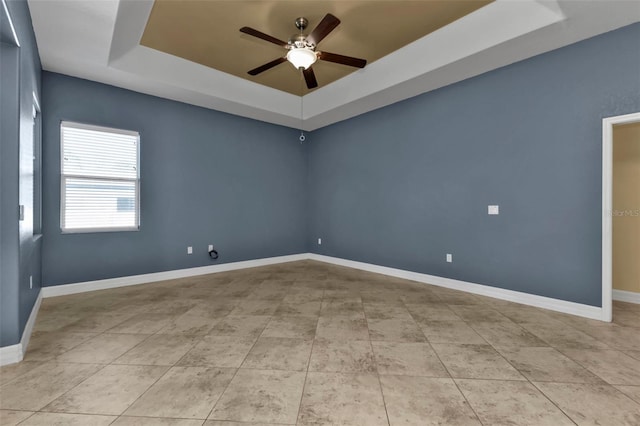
(263, 36)
(328, 24)
(267, 66)
(310, 78)
(341, 59)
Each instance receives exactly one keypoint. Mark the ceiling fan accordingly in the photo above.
(302, 49)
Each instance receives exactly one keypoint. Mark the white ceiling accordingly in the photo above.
(99, 40)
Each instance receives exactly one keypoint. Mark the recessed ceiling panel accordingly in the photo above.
(207, 32)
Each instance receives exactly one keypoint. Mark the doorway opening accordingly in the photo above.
(608, 213)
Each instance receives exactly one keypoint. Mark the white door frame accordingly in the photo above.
(607, 208)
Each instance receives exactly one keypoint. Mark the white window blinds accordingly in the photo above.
(100, 182)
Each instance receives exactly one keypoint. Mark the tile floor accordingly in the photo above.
(312, 344)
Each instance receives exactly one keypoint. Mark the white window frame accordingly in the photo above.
(63, 178)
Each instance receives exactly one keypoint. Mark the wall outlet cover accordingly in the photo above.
(494, 210)
(189, 250)
(449, 258)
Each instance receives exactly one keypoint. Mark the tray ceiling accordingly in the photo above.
(206, 32)
(101, 41)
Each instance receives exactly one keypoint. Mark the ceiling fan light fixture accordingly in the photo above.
(301, 57)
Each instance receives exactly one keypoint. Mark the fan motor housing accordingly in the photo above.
(298, 41)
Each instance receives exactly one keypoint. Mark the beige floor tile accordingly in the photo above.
(44, 346)
(563, 336)
(293, 327)
(240, 325)
(632, 392)
(219, 351)
(189, 324)
(385, 311)
(10, 372)
(342, 399)
(526, 314)
(261, 395)
(54, 320)
(110, 391)
(102, 349)
(475, 362)
(424, 401)
(429, 312)
(12, 418)
(475, 314)
(175, 315)
(143, 324)
(614, 367)
(217, 308)
(622, 338)
(342, 328)
(279, 353)
(43, 384)
(159, 349)
(150, 421)
(633, 354)
(409, 358)
(333, 304)
(454, 297)
(342, 356)
(62, 419)
(97, 323)
(511, 403)
(627, 318)
(395, 330)
(225, 423)
(593, 404)
(421, 298)
(547, 365)
(183, 392)
(255, 307)
(450, 332)
(303, 295)
(304, 308)
(507, 334)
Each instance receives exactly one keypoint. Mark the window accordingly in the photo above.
(100, 182)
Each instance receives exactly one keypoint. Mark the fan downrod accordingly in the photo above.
(301, 23)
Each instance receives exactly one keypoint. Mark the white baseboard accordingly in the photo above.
(587, 311)
(15, 353)
(31, 322)
(626, 296)
(61, 290)
(11, 354)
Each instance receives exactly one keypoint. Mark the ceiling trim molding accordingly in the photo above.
(100, 41)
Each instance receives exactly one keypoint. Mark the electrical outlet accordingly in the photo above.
(189, 250)
(210, 247)
(319, 241)
(493, 210)
(30, 281)
(449, 258)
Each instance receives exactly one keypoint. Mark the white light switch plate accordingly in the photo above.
(189, 250)
(494, 210)
(449, 258)
(319, 241)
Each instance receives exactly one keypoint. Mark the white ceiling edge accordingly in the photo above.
(99, 41)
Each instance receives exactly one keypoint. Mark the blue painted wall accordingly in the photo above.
(20, 251)
(406, 184)
(206, 178)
